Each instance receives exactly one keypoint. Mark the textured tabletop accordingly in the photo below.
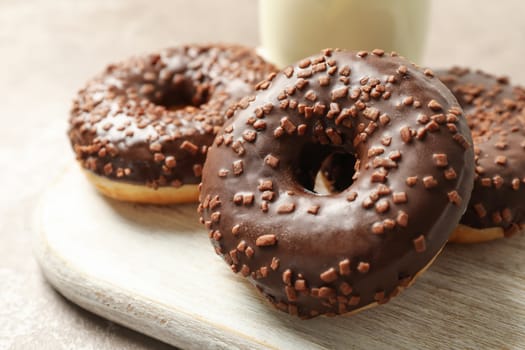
(49, 48)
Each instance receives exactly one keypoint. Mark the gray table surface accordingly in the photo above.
(49, 48)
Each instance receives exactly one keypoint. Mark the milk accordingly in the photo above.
(293, 29)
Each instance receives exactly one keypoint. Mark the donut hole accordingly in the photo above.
(336, 173)
(182, 93)
(325, 170)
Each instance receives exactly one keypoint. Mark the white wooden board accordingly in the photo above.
(153, 270)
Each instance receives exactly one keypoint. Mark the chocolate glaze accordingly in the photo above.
(149, 119)
(495, 113)
(311, 254)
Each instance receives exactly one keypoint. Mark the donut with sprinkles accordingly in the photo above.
(141, 128)
(495, 112)
(311, 254)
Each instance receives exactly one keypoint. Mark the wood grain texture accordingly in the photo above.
(153, 270)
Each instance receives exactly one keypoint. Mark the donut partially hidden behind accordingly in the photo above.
(141, 129)
(495, 112)
(313, 254)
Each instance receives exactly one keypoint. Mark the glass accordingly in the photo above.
(294, 29)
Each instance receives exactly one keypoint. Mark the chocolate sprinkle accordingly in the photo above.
(266, 240)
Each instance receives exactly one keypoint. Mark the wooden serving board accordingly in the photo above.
(152, 269)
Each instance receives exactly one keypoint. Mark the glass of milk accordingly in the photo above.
(294, 29)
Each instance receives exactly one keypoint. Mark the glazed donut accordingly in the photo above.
(141, 128)
(495, 112)
(312, 254)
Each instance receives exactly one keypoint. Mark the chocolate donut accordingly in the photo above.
(495, 112)
(142, 127)
(312, 254)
